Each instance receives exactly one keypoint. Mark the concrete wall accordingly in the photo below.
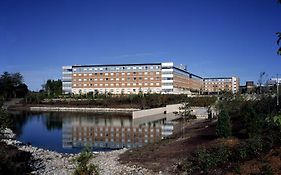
(69, 109)
(148, 112)
(173, 108)
(199, 112)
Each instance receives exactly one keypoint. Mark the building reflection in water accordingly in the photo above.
(112, 132)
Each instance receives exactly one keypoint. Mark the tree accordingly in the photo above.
(9, 83)
(223, 128)
(53, 87)
(252, 121)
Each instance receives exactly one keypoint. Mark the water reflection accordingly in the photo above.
(113, 133)
(68, 132)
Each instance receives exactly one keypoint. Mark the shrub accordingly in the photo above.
(207, 159)
(253, 121)
(5, 121)
(223, 128)
(82, 161)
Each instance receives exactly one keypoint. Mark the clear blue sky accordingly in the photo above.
(212, 37)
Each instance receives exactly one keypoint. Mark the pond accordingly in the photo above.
(70, 132)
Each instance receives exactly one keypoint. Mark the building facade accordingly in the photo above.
(165, 78)
(129, 79)
(216, 85)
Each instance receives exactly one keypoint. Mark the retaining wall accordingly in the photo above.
(199, 112)
(71, 109)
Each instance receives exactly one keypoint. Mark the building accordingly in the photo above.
(273, 81)
(216, 85)
(129, 79)
(249, 88)
(165, 78)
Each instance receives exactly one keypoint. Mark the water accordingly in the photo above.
(70, 132)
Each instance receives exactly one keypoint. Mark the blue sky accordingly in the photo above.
(212, 37)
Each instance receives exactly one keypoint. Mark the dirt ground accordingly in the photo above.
(168, 154)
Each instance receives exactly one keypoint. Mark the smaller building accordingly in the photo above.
(273, 81)
(249, 87)
(216, 85)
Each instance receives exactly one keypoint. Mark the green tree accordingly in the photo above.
(252, 121)
(82, 162)
(10, 83)
(223, 128)
(53, 88)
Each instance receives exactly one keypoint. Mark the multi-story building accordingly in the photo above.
(216, 85)
(163, 78)
(129, 78)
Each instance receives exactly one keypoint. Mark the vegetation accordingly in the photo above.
(257, 125)
(12, 86)
(223, 128)
(82, 163)
(53, 88)
(5, 121)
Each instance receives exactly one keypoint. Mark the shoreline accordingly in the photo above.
(82, 109)
(51, 162)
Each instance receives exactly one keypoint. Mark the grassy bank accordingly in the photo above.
(140, 101)
(251, 143)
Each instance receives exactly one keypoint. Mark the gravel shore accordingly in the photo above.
(49, 162)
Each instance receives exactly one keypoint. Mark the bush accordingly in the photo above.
(208, 159)
(252, 121)
(223, 128)
(82, 161)
(5, 121)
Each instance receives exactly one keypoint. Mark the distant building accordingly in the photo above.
(273, 81)
(165, 78)
(249, 87)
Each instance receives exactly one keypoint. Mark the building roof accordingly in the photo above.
(102, 65)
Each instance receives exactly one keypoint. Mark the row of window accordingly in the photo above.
(116, 68)
(117, 79)
(112, 74)
(140, 129)
(216, 82)
(213, 80)
(120, 91)
(117, 84)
